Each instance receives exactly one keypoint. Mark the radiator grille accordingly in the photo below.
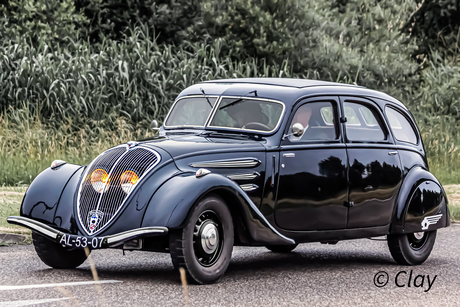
(97, 209)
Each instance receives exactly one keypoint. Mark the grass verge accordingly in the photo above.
(10, 201)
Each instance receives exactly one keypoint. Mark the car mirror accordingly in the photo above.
(297, 129)
(154, 125)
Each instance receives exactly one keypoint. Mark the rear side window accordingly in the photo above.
(362, 124)
(402, 129)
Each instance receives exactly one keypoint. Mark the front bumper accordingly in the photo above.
(104, 242)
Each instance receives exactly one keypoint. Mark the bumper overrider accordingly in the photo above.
(76, 241)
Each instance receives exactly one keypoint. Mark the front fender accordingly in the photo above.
(42, 197)
(173, 201)
(420, 199)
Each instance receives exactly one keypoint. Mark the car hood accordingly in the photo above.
(184, 146)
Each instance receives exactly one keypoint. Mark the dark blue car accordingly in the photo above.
(254, 162)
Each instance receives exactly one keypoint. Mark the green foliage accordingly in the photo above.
(168, 19)
(256, 28)
(79, 72)
(40, 20)
(439, 94)
(436, 23)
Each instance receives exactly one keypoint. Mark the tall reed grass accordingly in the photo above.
(73, 86)
(68, 101)
(28, 145)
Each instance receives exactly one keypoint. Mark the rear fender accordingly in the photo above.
(173, 201)
(421, 205)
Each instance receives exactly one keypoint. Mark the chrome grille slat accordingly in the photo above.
(103, 162)
(115, 162)
(110, 201)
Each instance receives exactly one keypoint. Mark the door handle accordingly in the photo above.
(392, 153)
(272, 182)
(368, 188)
(289, 155)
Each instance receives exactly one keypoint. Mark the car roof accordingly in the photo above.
(287, 90)
(288, 82)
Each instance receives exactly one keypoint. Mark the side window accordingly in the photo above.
(402, 129)
(362, 123)
(318, 120)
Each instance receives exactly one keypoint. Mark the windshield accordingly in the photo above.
(247, 114)
(252, 114)
(190, 112)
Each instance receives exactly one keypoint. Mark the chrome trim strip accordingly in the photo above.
(213, 112)
(130, 234)
(191, 96)
(249, 176)
(243, 162)
(249, 187)
(34, 225)
(111, 240)
(262, 217)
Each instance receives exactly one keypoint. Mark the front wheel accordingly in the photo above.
(204, 246)
(411, 248)
(56, 256)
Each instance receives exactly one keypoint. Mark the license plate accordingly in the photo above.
(74, 241)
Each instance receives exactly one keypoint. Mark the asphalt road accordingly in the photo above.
(313, 275)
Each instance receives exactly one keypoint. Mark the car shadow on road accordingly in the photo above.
(242, 265)
(295, 261)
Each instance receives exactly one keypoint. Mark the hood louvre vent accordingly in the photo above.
(97, 209)
(231, 163)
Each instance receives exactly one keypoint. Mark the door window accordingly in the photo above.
(362, 123)
(402, 129)
(318, 120)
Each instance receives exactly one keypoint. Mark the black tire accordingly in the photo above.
(204, 260)
(411, 249)
(56, 256)
(281, 248)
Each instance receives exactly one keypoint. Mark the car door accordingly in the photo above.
(374, 164)
(312, 187)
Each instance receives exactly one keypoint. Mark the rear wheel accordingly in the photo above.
(204, 246)
(411, 248)
(56, 256)
(281, 248)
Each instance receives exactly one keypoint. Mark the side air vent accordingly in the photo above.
(234, 163)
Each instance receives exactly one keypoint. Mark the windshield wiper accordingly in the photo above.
(231, 135)
(238, 100)
(207, 99)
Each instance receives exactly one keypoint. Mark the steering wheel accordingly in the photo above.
(256, 126)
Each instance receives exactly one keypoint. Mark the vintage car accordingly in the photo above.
(255, 162)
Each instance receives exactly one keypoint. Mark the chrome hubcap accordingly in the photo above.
(209, 238)
(418, 235)
(417, 240)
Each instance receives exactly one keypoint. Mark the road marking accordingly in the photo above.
(30, 302)
(64, 284)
